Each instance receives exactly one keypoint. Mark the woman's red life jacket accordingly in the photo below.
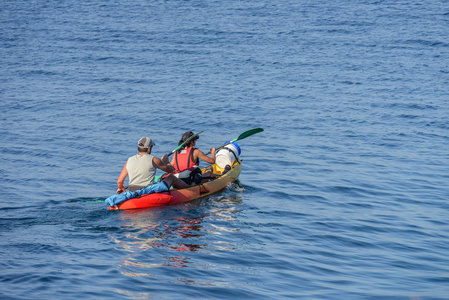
(184, 159)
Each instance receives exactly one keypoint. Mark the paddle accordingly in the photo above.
(180, 146)
(242, 136)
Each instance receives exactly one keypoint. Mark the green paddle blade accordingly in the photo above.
(247, 133)
(242, 136)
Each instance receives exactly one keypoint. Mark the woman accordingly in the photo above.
(189, 156)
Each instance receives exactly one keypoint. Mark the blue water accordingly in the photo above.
(343, 196)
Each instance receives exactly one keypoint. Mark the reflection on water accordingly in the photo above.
(169, 236)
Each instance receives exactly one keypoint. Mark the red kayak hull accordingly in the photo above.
(183, 195)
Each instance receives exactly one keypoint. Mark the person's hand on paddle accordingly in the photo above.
(212, 150)
(165, 159)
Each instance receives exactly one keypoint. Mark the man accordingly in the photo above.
(141, 169)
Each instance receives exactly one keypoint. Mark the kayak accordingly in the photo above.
(175, 196)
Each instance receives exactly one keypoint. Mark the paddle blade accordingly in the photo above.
(247, 134)
(241, 137)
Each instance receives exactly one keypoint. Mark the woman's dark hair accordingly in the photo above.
(185, 137)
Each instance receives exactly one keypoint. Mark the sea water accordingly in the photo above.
(343, 196)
